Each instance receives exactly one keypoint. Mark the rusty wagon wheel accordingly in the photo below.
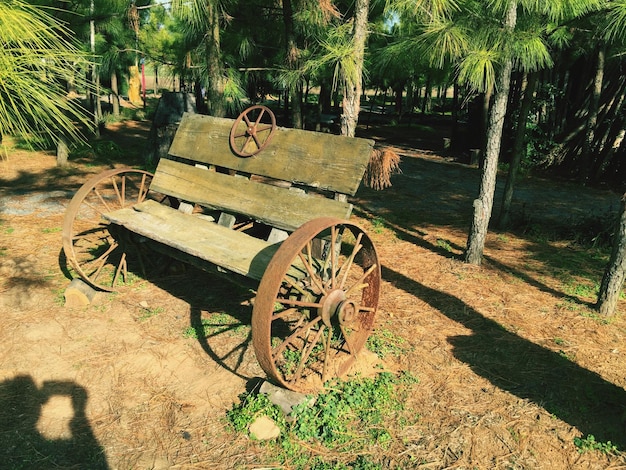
(252, 130)
(316, 304)
(98, 251)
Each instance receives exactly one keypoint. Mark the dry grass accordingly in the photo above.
(512, 367)
(382, 165)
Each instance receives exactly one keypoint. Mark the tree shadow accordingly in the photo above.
(22, 445)
(416, 238)
(570, 392)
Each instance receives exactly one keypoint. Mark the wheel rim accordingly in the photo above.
(316, 304)
(251, 132)
(98, 251)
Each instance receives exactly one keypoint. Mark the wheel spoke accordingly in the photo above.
(118, 193)
(256, 140)
(123, 191)
(327, 356)
(290, 339)
(348, 264)
(284, 313)
(102, 261)
(307, 352)
(258, 119)
(333, 255)
(143, 189)
(299, 303)
(121, 267)
(104, 203)
(267, 127)
(246, 142)
(359, 284)
(104, 255)
(296, 286)
(314, 278)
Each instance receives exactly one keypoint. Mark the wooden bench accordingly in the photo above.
(277, 215)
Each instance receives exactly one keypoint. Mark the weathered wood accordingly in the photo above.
(272, 205)
(79, 294)
(235, 251)
(326, 161)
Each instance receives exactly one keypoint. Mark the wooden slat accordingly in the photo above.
(326, 161)
(272, 205)
(235, 251)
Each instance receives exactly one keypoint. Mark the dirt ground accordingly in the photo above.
(511, 366)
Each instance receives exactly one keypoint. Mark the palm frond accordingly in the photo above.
(478, 69)
(616, 21)
(35, 61)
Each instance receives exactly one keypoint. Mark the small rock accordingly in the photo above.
(283, 398)
(264, 429)
(143, 304)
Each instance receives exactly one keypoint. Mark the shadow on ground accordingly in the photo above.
(571, 393)
(22, 446)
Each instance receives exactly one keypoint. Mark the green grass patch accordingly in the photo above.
(378, 225)
(350, 425)
(216, 324)
(444, 244)
(385, 343)
(589, 444)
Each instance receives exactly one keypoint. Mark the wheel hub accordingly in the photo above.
(331, 304)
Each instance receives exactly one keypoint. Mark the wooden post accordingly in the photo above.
(79, 294)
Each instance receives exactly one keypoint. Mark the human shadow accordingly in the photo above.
(22, 445)
(568, 391)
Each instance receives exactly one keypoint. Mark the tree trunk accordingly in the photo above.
(398, 91)
(134, 85)
(615, 272)
(428, 91)
(484, 204)
(95, 92)
(116, 94)
(592, 116)
(518, 150)
(62, 152)
(454, 131)
(156, 80)
(215, 92)
(484, 128)
(354, 84)
(293, 56)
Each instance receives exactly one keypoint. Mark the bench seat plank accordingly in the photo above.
(271, 205)
(330, 162)
(235, 251)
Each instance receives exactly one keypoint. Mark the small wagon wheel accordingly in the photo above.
(251, 131)
(98, 251)
(316, 304)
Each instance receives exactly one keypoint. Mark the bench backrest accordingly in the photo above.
(267, 187)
